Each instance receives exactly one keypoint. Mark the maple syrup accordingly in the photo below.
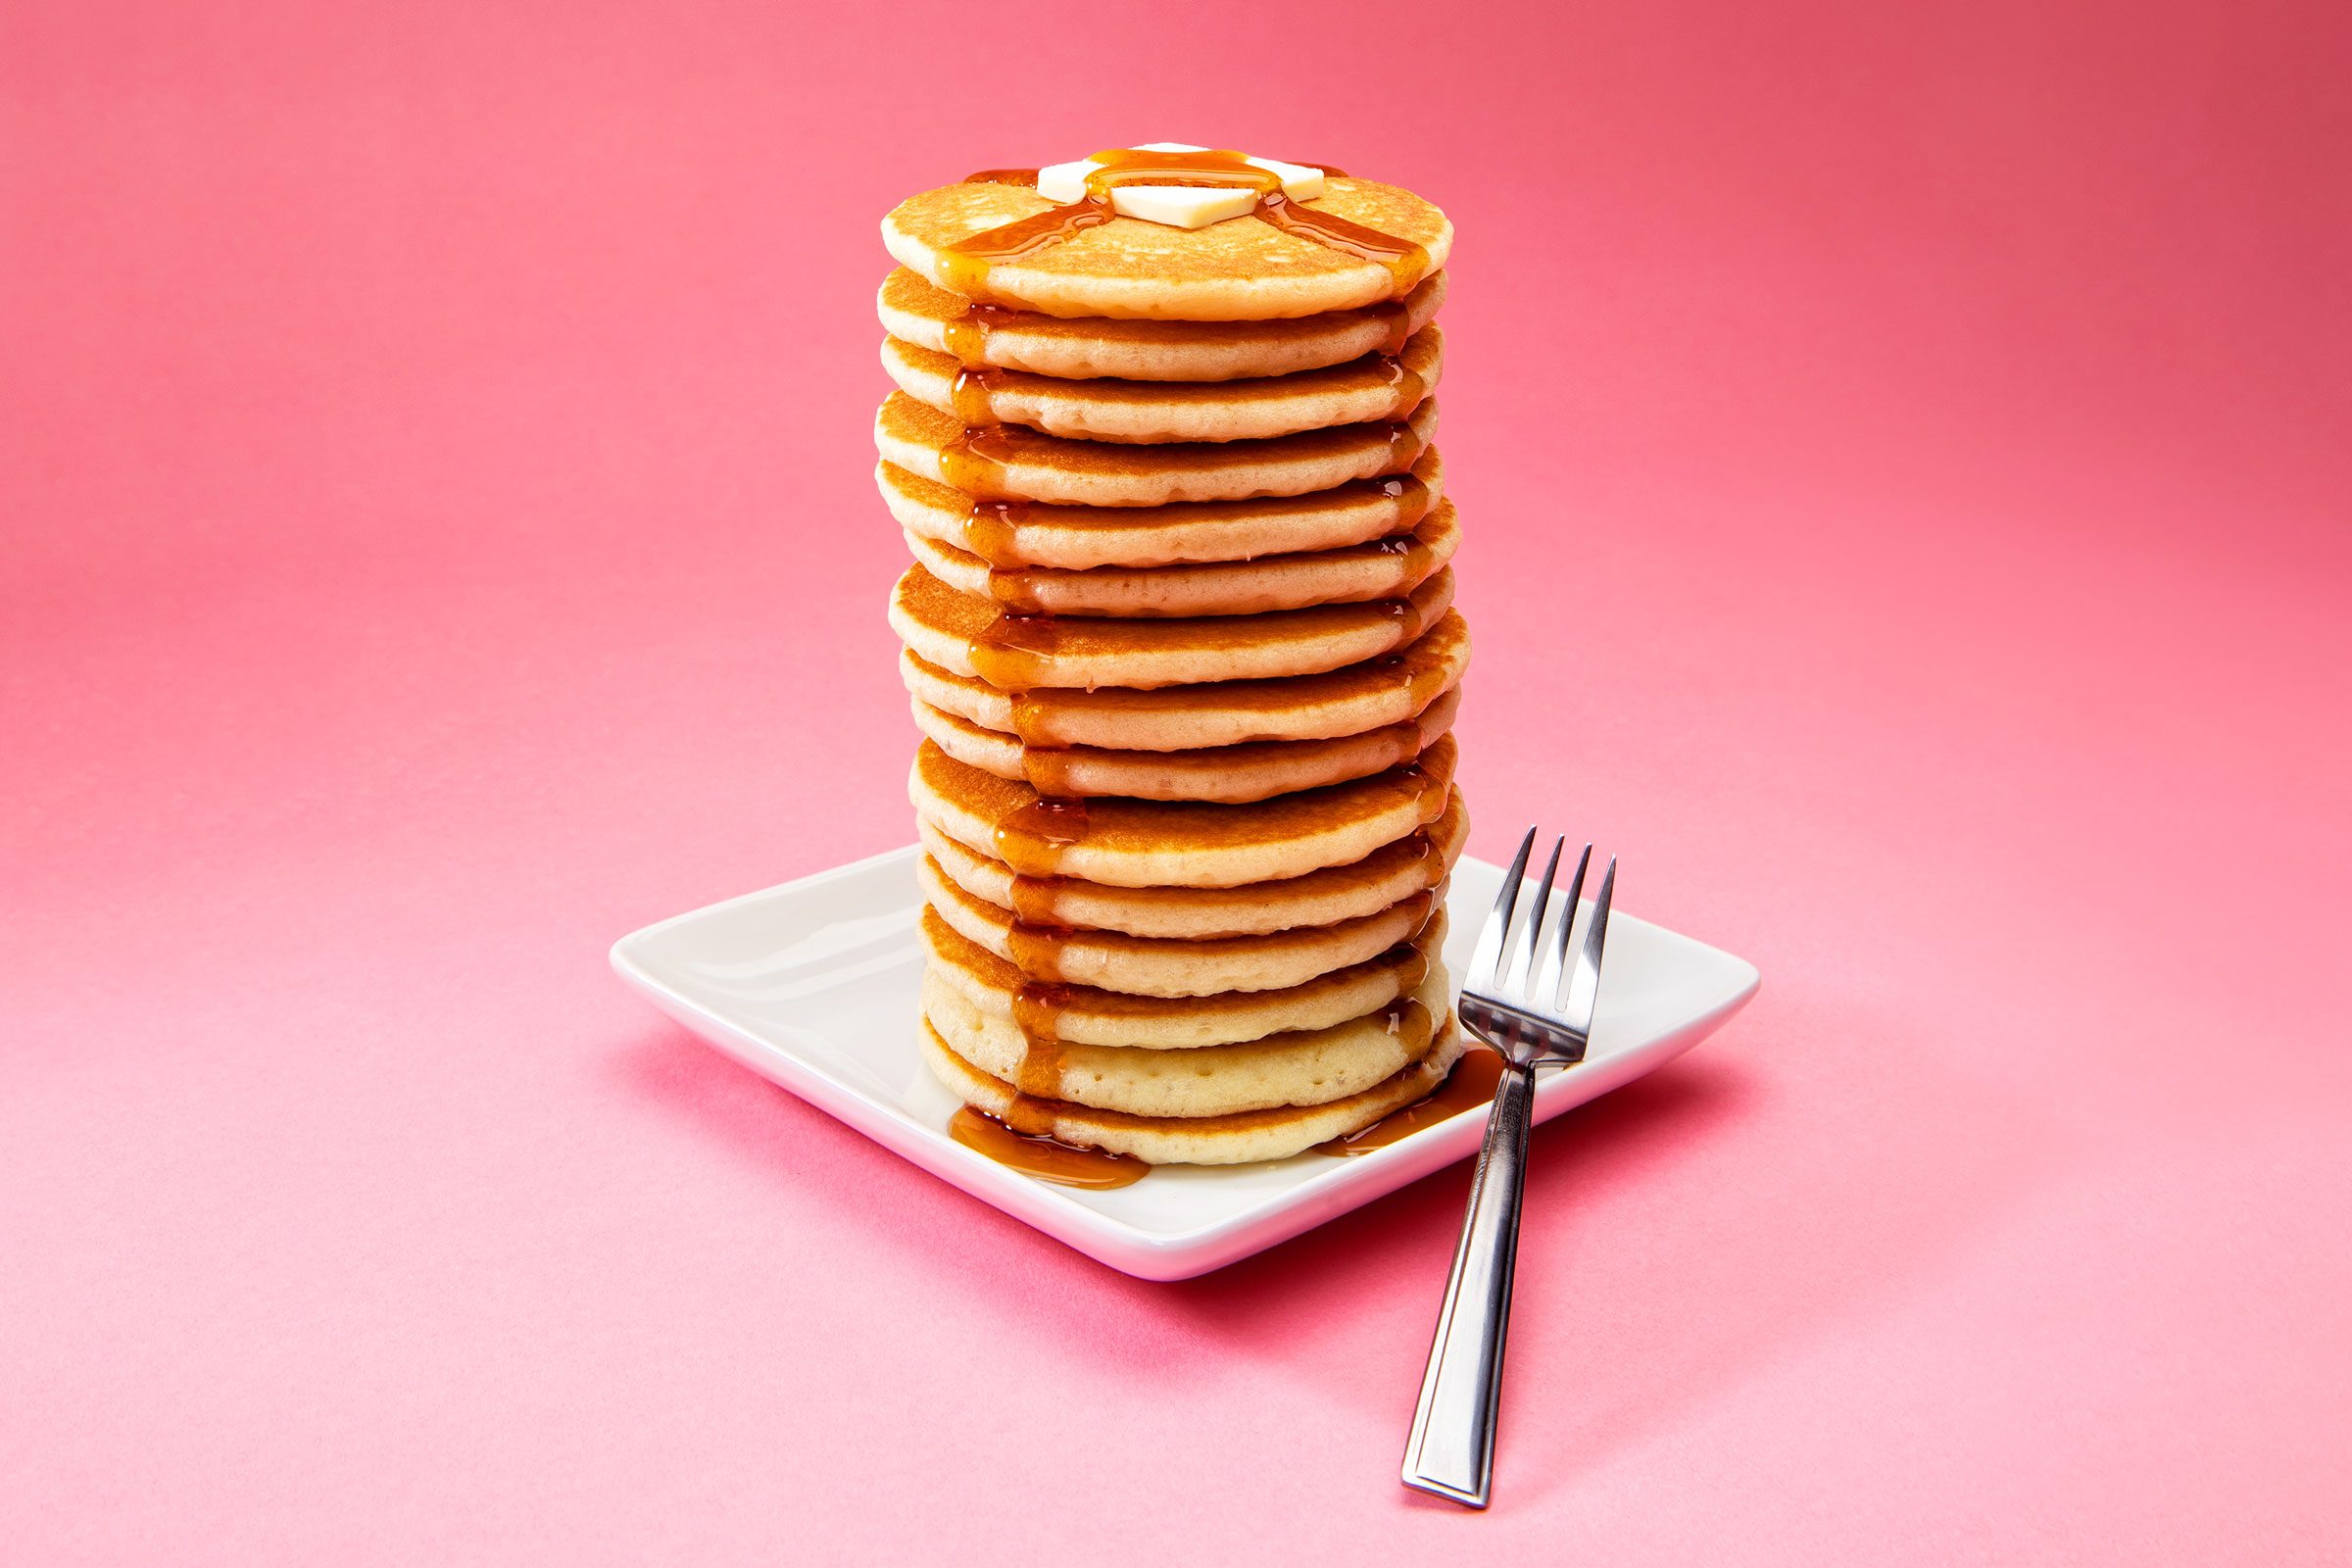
(1032, 838)
(1408, 386)
(1043, 1156)
(967, 264)
(965, 336)
(1472, 1083)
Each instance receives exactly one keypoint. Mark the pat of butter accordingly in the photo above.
(1178, 206)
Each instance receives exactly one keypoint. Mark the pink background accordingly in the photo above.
(1903, 451)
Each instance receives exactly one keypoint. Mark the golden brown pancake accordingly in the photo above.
(916, 311)
(1162, 844)
(1368, 388)
(1385, 569)
(1025, 465)
(1306, 1067)
(1388, 875)
(1389, 690)
(1230, 1140)
(1147, 966)
(1079, 538)
(1242, 269)
(973, 636)
(1233, 775)
(1087, 1015)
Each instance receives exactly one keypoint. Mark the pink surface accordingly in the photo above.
(1903, 455)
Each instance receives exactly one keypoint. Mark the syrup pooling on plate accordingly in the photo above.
(969, 261)
(1044, 1158)
(1472, 1083)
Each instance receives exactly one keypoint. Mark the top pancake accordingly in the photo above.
(1242, 269)
(916, 311)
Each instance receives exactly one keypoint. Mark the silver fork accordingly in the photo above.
(1534, 1016)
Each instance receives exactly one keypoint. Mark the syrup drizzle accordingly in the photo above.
(988, 531)
(967, 264)
(1410, 492)
(967, 336)
(1408, 387)
(1034, 838)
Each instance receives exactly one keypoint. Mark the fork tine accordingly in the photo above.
(1529, 935)
(1487, 961)
(1580, 988)
(1547, 984)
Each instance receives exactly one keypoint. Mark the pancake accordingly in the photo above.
(1229, 1140)
(968, 635)
(1188, 844)
(1390, 690)
(1011, 463)
(1307, 1067)
(1385, 569)
(1081, 538)
(1394, 872)
(1146, 967)
(1373, 387)
(1131, 269)
(915, 311)
(1087, 1015)
(1231, 775)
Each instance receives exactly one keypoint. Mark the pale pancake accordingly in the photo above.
(970, 635)
(1390, 690)
(1025, 465)
(1367, 388)
(1187, 844)
(1232, 775)
(1089, 1017)
(1241, 270)
(1386, 569)
(1231, 1139)
(916, 311)
(1311, 1067)
(1394, 872)
(1082, 538)
(1145, 966)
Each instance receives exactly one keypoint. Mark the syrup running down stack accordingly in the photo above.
(1180, 642)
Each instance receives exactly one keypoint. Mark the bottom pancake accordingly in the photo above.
(1086, 1016)
(1236, 1139)
(1304, 1067)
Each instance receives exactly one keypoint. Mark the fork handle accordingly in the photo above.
(1451, 1448)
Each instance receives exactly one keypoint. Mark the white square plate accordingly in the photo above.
(813, 985)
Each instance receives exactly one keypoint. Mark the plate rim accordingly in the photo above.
(1198, 1249)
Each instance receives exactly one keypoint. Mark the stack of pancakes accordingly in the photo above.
(1179, 637)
